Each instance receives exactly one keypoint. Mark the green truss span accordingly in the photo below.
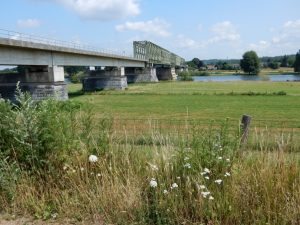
(155, 54)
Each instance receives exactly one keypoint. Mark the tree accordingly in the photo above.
(284, 61)
(273, 65)
(198, 63)
(297, 62)
(250, 63)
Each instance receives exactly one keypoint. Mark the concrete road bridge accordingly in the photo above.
(44, 60)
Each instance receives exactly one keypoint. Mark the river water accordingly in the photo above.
(223, 78)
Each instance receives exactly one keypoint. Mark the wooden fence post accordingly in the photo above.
(245, 124)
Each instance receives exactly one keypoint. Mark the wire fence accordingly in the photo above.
(186, 126)
(13, 35)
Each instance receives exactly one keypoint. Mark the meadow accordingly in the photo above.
(166, 153)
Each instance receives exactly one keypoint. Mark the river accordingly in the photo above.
(278, 78)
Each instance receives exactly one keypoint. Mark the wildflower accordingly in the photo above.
(211, 198)
(153, 183)
(205, 194)
(65, 168)
(202, 187)
(54, 215)
(219, 181)
(98, 175)
(174, 185)
(227, 174)
(206, 177)
(178, 178)
(186, 158)
(187, 165)
(165, 192)
(81, 169)
(220, 158)
(206, 170)
(228, 160)
(92, 173)
(153, 167)
(73, 171)
(93, 158)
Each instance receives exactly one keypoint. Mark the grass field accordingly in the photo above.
(198, 100)
(203, 176)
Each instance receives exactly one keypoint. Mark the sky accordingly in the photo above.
(222, 29)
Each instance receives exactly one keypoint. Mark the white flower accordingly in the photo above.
(98, 175)
(178, 178)
(205, 194)
(153, 183)
(211, 198)
(92, 173)
(187, 165)
(186, 158)
(220, 158)
(54, 215)
(65, 168)
(174, 185)
(202, 173)
(93, 158)
(227, 174)
(81, 169)
(228, 160)
(219, 181)
(166, 192)
(153, 167)
(202, 187)
(207, 177)
(206, 170)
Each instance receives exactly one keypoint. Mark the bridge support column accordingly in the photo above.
(166, 73)
(141, 75)
(109, 78)
(41, 82)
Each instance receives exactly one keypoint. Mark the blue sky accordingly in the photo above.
(190, 28)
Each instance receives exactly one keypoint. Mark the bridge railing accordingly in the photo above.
(58, 43)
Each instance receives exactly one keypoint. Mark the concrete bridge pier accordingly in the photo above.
(140, 75)
(166, 73)
(41, 82)
(105, 79)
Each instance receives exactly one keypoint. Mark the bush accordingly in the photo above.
(185, 76)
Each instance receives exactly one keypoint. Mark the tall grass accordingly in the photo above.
(200, 178)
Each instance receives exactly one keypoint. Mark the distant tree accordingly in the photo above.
(198, 63)
(273, 65)
(250, 63)
(72, 70)
(291, 61)
(297, 62)
(284, 61)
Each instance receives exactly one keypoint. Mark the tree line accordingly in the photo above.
(250, 63)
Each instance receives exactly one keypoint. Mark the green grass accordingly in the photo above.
(205, 176)
(198, 100)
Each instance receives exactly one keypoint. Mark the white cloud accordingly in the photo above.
(28, 23)
(287, 40)
(102, 9)
(186, 42)
(224, 31)
(156, 27)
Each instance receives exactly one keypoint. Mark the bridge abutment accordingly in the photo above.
(166, 73)
(107, 79)
(141, 75)
(41, 82)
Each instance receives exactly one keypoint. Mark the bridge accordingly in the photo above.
(44, 60)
